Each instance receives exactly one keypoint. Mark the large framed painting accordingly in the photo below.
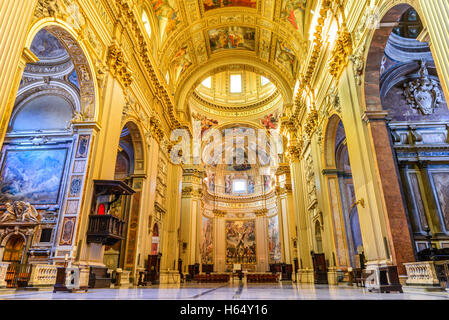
(32, 175)
(216, 4)
(207, 241)
(241, 242)
(441, 181)
(232, 37)
(274, 241)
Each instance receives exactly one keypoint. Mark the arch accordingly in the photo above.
(329, 141)
(318, 237)
(139, 152)
(189, 82)
(389, 11)
(14, 249)
(82, 62)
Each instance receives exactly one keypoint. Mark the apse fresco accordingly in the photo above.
(32, 175)
(241, 242)
(251, 184)
(274, 241)
(293, 12)
(181, 61)
(285, 56)
(232, 38)
(167, 14)
(215, 4)
(441, 180)
(46, 46)
(207, 241)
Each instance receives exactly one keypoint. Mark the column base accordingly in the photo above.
(305, 276)
(332, 276)
(169, 277)
(383, 278)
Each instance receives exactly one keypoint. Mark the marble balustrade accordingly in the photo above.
(423, 273)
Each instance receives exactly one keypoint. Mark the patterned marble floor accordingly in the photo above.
(282, 291)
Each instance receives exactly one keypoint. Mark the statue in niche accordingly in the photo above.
(423, 93)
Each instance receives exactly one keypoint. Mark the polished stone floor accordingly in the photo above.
(281, 291)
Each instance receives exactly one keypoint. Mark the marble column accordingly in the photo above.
(191, 215)
(304, 246)
(399, 238)
(436, 17)
(15, 16)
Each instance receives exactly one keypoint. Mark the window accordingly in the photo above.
(239, 186)
(264, 81)
(146, 23)
(236, 83)
(46, 235)
(207, 82)
(167, 78)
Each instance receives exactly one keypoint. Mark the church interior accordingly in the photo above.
(297, 145)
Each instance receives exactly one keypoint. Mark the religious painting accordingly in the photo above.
(228, 184)
(270, 121)
(32, 175)
(285, 56)
(47, 46)
(216, 4)
(167, 14)
(211, 181)
(274, 241)
(293, 12)
(232, 37)
(251, 184)
(241, 242)
(266, 183)
(181, 62)
(418, 199)
(67, 231)
(207, 241)
(441, 180)
(206, 123)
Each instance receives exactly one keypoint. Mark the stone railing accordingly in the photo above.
(423, 273)
(43, 275)
(3, 269)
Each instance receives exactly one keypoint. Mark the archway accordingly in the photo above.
(129, 168)
(401, 81)
(346, 225)
(14, 249)
(56, 94)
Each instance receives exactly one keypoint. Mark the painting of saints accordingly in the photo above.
(293, 12)
(270, 121)
(228, 184)
(251, 184)
(285, 56)
(167, 14)
(215, 4)
(232, 38)
(181, 61)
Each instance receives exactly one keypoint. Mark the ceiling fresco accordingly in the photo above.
(194, 32)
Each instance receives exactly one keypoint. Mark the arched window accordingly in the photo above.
(146, 23)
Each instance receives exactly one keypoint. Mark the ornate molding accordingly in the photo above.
(118, 65)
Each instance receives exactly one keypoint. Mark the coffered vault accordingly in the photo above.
(195, 38)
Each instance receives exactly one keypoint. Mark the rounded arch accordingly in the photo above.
(329, 141)
(189, 82)
(132, 127)
(82, 61)
(6, 238)
(389, 11)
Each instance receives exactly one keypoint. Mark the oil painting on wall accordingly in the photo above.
(286, 56)
(241, 242)
(293, 12)
(207, 241)
(167, 14)
(181, 62)
(215, 4)
(274, 241)
(232, 38)
(441, 180)
(32, 175)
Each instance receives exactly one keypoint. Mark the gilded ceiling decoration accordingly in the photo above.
(192, 33)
